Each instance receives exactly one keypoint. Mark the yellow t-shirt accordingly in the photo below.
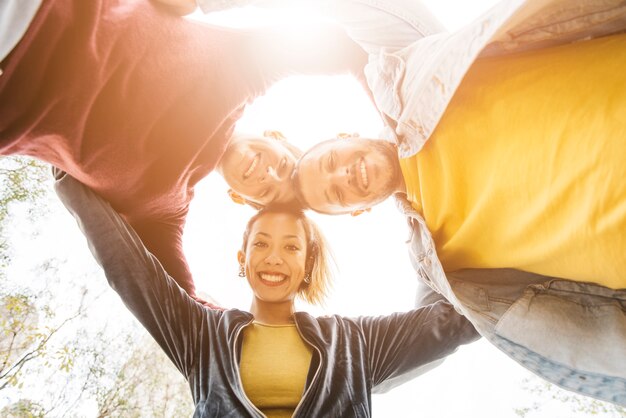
(274, 365)
(527, 168)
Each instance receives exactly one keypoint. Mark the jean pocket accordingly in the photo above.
(578, 325)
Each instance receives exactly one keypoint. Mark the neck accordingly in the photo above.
(272, 313)
(401, 185)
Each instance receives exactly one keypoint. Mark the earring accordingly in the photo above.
(345, 135)
(274, 134)
(360, 211)
(236, 197)
(242, 271)
(307, 279)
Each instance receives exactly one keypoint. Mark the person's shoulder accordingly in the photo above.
(230, 316)
(338, 321)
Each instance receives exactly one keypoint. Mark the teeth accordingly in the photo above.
(253, 164)
(272, 277)
(364, 174)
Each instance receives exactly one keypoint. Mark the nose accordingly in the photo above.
(340, 176)
(273, 259)
(269, 175)
(272, 174)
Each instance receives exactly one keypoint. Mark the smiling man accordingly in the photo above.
(506, 145)
(353, 174)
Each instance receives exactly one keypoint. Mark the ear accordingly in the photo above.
(344, 135)
(274, 134)
(360, 211)
(241, 257)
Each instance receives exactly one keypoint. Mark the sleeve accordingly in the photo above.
(384, 26)
(164, 241)
(425, 295)
(172, 318)
(375, 25)
(319, 48)
(402, 345)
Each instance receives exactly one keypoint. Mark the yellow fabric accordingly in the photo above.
(274, 365)
(527, 168)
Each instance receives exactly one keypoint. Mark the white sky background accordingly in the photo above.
(375, 275)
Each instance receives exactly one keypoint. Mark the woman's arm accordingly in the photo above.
(404, 345)
(164, 309)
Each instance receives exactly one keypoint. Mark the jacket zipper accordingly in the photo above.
(236, 364)
(317, 372)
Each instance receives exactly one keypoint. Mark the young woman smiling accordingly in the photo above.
(271, 361)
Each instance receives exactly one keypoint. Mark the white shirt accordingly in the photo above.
(413, 85)
(15, 17)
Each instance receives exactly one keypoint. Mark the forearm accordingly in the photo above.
(402, 344)
(387, 26)
(374, 25)
(318, 48)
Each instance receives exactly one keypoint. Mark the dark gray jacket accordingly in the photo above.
(351, 357)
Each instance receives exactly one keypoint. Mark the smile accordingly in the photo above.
(272, 279)
(252, 166)
(363, 172)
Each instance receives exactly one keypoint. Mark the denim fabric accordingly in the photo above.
(570, 333)
(611, 389)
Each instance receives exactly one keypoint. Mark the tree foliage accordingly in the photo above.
(59, 357)
(23, 408)
(545, 394)
(22, 180)
(147, 385)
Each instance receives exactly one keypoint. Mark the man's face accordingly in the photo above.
(258, 169)
(344, 175)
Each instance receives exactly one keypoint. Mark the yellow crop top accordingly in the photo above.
(274, 365)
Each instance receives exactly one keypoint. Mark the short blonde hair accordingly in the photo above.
(320, 263)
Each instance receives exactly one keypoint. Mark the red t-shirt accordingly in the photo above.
(139, 105)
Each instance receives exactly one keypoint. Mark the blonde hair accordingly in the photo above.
(320, 264)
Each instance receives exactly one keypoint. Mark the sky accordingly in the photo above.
(374, 277)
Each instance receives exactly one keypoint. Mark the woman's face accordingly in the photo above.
(275, 257)
(258, 169)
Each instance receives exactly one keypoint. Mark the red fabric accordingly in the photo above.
(139, 105)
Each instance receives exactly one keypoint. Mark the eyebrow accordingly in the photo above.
(284, 236)
(292, 236)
